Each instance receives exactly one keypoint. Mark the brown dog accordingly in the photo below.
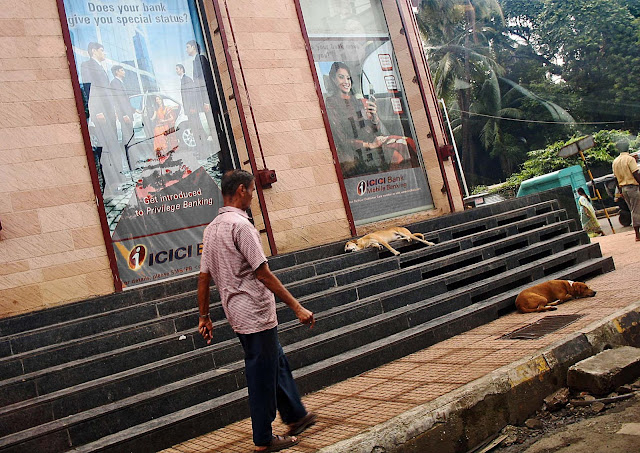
(547, 295)
(382, 238)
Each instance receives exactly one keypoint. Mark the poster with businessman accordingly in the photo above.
(153, 121)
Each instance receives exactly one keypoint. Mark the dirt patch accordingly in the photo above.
(559, 417)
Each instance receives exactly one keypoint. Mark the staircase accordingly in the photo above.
(129, 372)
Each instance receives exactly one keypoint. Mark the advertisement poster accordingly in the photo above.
(365, 104)
(155, 128)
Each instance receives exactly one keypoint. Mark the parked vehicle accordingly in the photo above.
(143, 125)
(571, 176)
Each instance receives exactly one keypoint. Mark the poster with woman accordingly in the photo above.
(366, 109)
(154, 126)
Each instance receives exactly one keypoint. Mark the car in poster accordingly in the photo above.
(143, 125)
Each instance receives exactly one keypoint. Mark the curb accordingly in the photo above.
(465, 417)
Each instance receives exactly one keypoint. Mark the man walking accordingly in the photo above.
(625, 168)
(232, 254)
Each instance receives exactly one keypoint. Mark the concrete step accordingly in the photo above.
(605, 372)
(366, 320)
(209, 415)
(78, 338)
(512, 251)
(135, 386)
(293, 262)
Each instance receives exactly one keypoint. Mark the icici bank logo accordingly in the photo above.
(136, 257)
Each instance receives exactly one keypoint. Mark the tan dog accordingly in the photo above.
(547, 295)
(382, 238)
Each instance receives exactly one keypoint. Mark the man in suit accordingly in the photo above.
(123, 107)
(203, 82)
(108, 151)
(190, 104)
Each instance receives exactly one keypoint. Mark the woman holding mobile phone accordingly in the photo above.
(355, 125)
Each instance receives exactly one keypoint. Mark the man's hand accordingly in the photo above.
(205, 327)
(306, 317)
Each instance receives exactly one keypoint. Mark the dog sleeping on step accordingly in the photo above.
(547, 295)
(382, 238)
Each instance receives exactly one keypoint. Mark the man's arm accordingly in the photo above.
(636, 174)
(268, 279)
(205, 326)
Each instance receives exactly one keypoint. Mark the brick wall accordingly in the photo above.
(51, 246)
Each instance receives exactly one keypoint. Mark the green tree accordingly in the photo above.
(460, 32)
(546, 160)
(467, 43)
(596, 46)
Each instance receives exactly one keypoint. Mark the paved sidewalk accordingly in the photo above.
(357, 404)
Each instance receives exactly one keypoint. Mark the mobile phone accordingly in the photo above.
(371, 96)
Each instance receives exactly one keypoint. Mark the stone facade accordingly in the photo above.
(52, 249)
(51, 246)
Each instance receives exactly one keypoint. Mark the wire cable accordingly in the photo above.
(536, 121)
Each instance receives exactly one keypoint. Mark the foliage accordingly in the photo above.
(517, 75)
(460, 33)
(546, 160)
(466, 38)
(479, 189)
(596, 45)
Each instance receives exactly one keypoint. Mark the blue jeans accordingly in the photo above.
(270, 383)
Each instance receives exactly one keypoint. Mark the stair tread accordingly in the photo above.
(170, 337)
(40, 330)
(462, 282)
(175, 417)
(317, 339)
(406, 256)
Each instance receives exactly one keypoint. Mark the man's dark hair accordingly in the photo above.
(93, 46)
(622, 146)
(181, 67)
(232, 180)
(581, 191)
(115, 68)
(192, 43)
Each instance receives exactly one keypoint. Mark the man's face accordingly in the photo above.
(191, 50)
(179, 71)
(247, 195)
(120, 73)
(99, 54)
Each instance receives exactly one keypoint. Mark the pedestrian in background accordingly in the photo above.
(625, 168)
(588, 217)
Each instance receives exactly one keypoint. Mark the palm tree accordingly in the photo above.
(462, 61)
(462, 37)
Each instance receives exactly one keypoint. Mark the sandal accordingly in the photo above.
(279, 443)
(302, 424)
